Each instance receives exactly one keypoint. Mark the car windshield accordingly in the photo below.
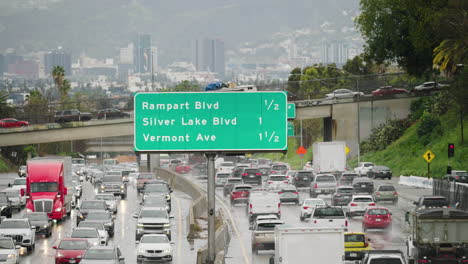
(100, 253)
(387, 188)
(113, 173)
(266, 226)
(277, 178)
(12, 193)
(362, 199)
(461, 173)
(154, 239)
(327, 178)
(354, 238)
(99, 216)
(153, 214)
(345, 190)
(112, 179)
(380, 168)
(147, 176)
(377, 212)
(156, 188)
(105, 197)
(19, 182)
(349, 176)
(368, 164)
(14, 224)
(279, 167)
(327, 212)
(234, 181)
(6, 244)
(223, 176)
(44, 187)
(288, 188)
(227, 164)
(88, 233)
(435, 202)
(96, 225)
(386, 261)
(155, 199)
(304, 174)
(93, 205)
(243, 188)
(37, 217)
(251, 171)
(314, 202)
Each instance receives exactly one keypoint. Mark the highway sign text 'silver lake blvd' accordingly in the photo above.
(210, 121)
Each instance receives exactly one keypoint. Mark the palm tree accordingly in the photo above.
(453, 50)
(58, 73)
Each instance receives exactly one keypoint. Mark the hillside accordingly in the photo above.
(404, 156)
(99, 28)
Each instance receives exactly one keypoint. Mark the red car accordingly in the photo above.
(377, 218)
(70, 250)
(11, 122)
(389, 90)
(183, 168)
(240, 193)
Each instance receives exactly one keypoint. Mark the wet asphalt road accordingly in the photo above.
(125, 226)
(240, 246)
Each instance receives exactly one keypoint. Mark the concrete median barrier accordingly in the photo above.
(222, 240)
(416, 181)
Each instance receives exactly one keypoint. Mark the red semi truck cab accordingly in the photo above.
(45, 188)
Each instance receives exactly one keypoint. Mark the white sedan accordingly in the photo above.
(154, 246)
(343, 93)
(308, 205)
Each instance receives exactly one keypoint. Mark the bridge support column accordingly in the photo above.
(327, 129)
(153, 162)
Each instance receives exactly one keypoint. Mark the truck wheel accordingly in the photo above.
(254, 250)
(49, 233)
(122, 196)
(301, 218)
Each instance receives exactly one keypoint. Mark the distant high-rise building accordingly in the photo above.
(126, 55)
(142, 53)
(335, 52)
(208, 55)
(57, 58)
(2, 64)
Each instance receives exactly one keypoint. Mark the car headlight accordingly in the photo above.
(167, 250)
(140, 225)
(58, 209)
(59, 255)
(95, 243)
(10, 256)
(44, 226)
(122, 186)
(107, 224)
(168, 197)
(103, 187)
(141, 250)
(28, 210)
(167, 225)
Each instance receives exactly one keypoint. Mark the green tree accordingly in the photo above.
(402, 31)
(6, 109)
(58, 74)
(186, 86)
(36, 107)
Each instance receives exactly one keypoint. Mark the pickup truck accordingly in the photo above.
(71, 115)
(323, 184)
(329, 216)
(263, 235)
(363, 168)
(431, 201)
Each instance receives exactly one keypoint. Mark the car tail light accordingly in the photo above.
(285, 182)
(377, 193)
(372, 204)
(315, 221)
(395, 193)
(337, 195)
(457, 177)
(245, 174)
(258, 174)
(279, 208)
(366, 244)
(305, 207)
(270, 182)
(280, 192)
(296, 178)
(316, 186)
(352, 204)
(295, 192)
(346, 223)
(273, 172)
(423, 261)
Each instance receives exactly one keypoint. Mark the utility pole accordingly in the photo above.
(358, 121)
(211, 209)
(152, 70)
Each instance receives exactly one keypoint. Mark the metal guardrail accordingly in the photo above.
(456, 193)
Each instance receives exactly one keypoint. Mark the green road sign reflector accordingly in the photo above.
(290, 129)
(204, 122)
(291, 111)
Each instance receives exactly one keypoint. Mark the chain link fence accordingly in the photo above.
(456, 193)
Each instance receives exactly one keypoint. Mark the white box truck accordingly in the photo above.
(298, 244)
(329, 157)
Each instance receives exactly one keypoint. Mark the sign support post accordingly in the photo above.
(428, 170)
(211, 209)
(428, 156)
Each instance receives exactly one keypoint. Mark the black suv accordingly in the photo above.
(110, 113)
(303, 178)
(71, 115)
(252, 176)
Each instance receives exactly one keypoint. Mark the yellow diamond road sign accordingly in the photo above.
(347, 150)
(428, 156)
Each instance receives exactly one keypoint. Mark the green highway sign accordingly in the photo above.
(291, 111)
(210, 121)
(290, 129)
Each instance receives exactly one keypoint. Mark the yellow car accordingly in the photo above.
(356, 245)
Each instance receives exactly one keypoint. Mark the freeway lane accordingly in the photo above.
(125, 226)
(241, 240)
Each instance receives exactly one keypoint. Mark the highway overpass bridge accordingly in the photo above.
(340, 123)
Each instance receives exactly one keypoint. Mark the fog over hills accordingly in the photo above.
(101, 27)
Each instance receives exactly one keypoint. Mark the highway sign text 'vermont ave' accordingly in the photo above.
(210, 121)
